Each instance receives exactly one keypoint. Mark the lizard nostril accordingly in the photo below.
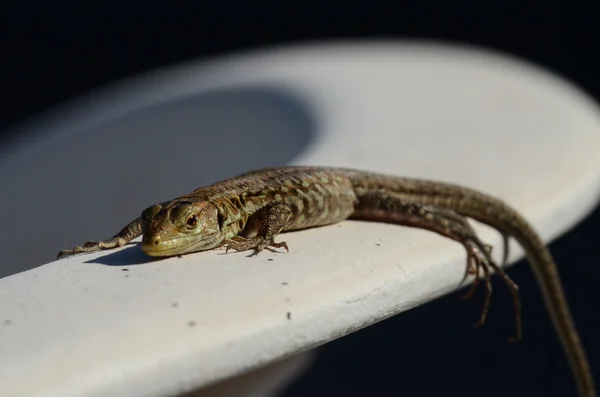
(156, 241)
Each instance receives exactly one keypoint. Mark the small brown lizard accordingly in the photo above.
(249, 211)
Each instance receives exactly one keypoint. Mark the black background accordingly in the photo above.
(52, 52)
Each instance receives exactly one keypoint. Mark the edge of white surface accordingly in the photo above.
(384, 290)
(246, 67)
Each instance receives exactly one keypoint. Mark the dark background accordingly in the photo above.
(53, 52)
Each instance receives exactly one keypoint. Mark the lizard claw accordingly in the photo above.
(256, 243)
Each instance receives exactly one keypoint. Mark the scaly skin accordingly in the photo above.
(249, 211)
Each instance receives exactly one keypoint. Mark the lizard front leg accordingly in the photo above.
(266, 223)
(128, 233)
(390, 207)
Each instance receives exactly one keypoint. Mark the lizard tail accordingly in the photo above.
(506, 220)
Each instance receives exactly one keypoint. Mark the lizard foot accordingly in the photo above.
(476, 262)
(239, 243)
(479, 259)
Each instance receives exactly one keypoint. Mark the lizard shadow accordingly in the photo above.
(131, 255)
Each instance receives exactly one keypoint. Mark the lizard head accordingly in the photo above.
(180, 227)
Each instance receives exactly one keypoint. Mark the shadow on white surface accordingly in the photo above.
(131, 255)
(93, 179)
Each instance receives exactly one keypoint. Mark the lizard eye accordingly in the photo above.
(192, 221)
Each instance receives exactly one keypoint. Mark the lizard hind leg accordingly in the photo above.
(482, 258)
(407, 210)
(480, 263)
(472, 268)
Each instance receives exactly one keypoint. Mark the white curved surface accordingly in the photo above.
(78, 327)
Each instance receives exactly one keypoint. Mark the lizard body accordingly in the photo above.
(249, 211)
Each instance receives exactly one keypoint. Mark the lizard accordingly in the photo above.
(249, 211)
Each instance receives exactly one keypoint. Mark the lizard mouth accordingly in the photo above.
(158, 246)
(155, 246)
(153, 250)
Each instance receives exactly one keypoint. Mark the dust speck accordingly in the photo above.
(191, 323)
(174, 304)
(379, 245)
(270, 259)
(289, 315)
(124, 269)
(284, 283)
(7, 322)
